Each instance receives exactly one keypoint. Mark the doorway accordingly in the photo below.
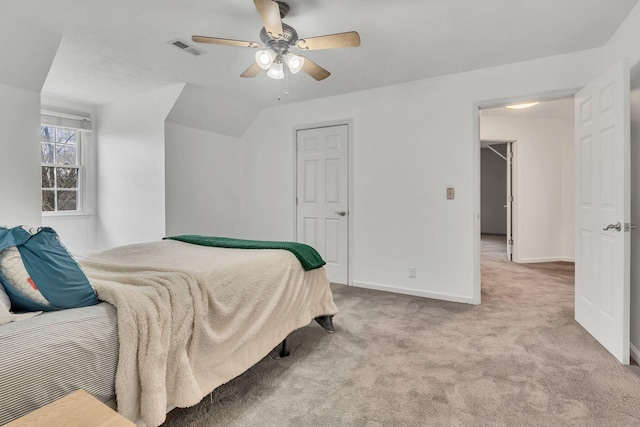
(541, 194)
(496, 184)
(537, 194)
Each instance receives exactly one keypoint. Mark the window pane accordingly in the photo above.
(67, 178)
(47, 134)
(48, 177)
(48, 201)
(60, 183)
(65, 136)
(46, 153)
(66, 154)
(67, 200)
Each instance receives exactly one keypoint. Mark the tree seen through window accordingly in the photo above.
(60, 159)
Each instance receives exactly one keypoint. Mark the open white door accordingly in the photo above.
(603, 210)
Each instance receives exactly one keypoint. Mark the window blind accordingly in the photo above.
(66, 121)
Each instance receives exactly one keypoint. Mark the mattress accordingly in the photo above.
(55, 353)
(193, 317)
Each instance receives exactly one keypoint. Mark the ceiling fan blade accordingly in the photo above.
(331, 41)
(230, 42)
(269, 11)
(252, 71)
(314, 70)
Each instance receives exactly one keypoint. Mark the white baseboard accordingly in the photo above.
(414, 292)
(635, 353)
(545, 259)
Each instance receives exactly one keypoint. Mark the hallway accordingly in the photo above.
(547, 283)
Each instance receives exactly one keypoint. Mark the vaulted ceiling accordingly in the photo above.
(117, 48)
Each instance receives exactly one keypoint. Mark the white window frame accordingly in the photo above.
(80, 141)
(81, 122)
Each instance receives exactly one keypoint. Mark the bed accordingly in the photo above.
(175, 321)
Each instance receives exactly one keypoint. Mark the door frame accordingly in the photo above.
(475, 112)
(350, 211)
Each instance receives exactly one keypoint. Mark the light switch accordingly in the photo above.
(451, 193)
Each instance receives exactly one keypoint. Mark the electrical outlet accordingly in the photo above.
(412, 272)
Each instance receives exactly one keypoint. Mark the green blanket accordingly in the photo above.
(308, 256)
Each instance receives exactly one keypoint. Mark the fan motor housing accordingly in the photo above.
(290, 35)
(289, 39)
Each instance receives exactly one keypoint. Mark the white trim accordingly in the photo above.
(67, 215)
(349, 124)
(635, 353)
(540, 96)
(414, 292)
(476, 226)
(545, 259)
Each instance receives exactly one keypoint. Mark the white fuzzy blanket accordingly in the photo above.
(191, 318)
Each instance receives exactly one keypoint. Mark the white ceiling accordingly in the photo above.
(117, 48)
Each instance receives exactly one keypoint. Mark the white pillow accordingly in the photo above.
(6, 315)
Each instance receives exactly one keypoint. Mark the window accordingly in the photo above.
(61, 159)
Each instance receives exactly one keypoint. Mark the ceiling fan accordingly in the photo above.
(277, 38)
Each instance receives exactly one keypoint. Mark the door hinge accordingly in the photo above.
(511, 242)
(510, 155)
(628, 226)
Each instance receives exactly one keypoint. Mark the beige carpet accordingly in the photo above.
(518, 359)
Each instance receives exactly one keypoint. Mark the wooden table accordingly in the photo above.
(78, 409)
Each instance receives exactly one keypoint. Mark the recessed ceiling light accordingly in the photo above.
(521, 106)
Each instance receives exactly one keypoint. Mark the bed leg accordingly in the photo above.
(326, 322)
(284, 351)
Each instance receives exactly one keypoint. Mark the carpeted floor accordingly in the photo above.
(518, 359)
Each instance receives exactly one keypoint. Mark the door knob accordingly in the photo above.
(341, 213)
(617, 226)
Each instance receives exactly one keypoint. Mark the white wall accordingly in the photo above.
(19, 156)
(78, 230)
(26, 52)
(411, 141)
(202, 108)
(624, 43)
(544, 184)
(204, 182)
(131, 179)
(23, 69)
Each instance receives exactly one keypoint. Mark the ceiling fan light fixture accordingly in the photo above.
(294, 62)
(277, 37)
(276, 71)
(264, 58)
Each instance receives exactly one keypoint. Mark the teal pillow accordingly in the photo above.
(39, 273)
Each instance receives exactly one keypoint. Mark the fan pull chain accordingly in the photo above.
(285, 83)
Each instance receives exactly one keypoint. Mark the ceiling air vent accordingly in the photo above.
(183, 45)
